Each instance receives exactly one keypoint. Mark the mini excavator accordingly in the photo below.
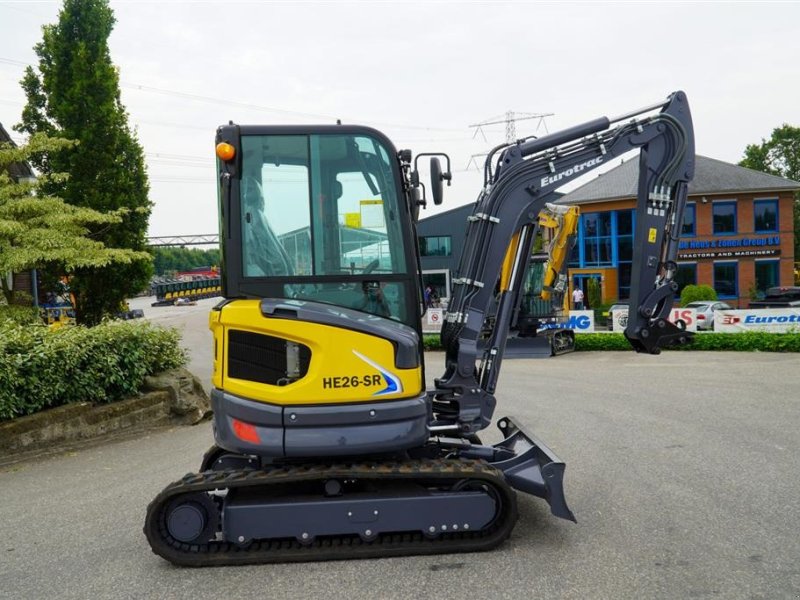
(328, 444)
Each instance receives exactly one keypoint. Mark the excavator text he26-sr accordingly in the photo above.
(328, 445)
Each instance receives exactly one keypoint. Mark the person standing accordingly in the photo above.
(577, 298)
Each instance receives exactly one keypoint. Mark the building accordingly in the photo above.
(441, 238)
(737, 236)
(738, 233)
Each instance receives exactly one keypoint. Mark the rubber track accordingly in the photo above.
(218, 553)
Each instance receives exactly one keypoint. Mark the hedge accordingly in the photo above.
(41, 368)
(22, 315)
(749, 341)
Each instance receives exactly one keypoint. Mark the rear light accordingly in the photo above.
(245, 431)
(701, 317)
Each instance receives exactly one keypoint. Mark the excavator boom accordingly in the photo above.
(520, 180)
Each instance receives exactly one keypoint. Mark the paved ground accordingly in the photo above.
(682, 471)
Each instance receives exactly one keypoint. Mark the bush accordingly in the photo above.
(601, 341)
(41, 368)
(749, 341)
(594, 297)
(432, 341)
(695, 293)
(21, 315)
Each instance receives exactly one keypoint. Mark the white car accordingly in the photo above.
(705, 312)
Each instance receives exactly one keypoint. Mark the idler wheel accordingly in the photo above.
(192, 518)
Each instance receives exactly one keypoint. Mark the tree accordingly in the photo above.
(74, 94)
(38, 230)
(696, 293)
(171, 259)
(780, 155)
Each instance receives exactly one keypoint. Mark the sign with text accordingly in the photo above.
(771, 320)
(580, 321)
(687, 315)
(729, 248)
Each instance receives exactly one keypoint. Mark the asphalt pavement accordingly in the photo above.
(683, 470)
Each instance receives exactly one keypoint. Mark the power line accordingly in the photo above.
(510, 119)
(249, 105)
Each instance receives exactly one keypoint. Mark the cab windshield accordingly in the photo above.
(322, 211)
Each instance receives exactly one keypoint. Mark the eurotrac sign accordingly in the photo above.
(729, 248)
(771, 320)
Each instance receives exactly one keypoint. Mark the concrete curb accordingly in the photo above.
(75, 424)
(83, 421)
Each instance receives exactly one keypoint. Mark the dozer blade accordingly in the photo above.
(532, 467)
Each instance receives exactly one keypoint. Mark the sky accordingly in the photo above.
(422, 72)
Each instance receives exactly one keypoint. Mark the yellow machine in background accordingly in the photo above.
(562, 222)
(538, 327)
(59, 316)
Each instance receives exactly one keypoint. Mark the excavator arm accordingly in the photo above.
(520, 179)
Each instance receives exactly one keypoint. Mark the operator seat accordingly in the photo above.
(263, 253)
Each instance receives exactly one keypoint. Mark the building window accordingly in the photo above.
(625, 224)
(686, 275)
(765, 216)
(575, 255)
(726, 282)
(624, 281)
(689, 215)
(596, 239)
(435, 246)
(724, 217)
(766, 275)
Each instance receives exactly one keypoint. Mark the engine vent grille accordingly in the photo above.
(263, 358)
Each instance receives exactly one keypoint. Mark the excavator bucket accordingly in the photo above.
(531, 467)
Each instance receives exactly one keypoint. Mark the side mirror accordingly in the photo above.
(437, 190)
(437, 177)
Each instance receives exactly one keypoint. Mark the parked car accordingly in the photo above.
(705, 310)
(779, 297)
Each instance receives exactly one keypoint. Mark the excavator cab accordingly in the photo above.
(320, 215)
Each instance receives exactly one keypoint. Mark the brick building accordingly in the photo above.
(738, 231)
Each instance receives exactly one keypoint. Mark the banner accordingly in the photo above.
(687, 315)
(580, 321)
(772, 320)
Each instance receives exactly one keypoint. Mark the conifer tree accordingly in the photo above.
(74, 94)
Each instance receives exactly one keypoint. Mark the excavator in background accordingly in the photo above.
(540, 324)
(328, 443)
